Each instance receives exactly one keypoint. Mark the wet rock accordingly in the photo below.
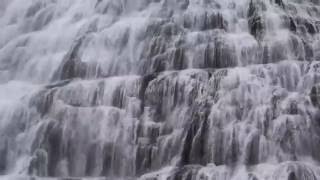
(315, 95)
(33, 9)
(280, 3)
(309, 52)
(178, 59)
(91, 160)
(185, 173)
(144, 159)
(145, 83)
(71, 67)
(43, 101)
(38, 165)
(196, 147)
(205, 21)
(253, 177)
(252, 150)
(58, 84)
(42, 19)
(46, 158)
(293, 26)
(3, 156)
(108, 150)
(257, 27)
(256, 19)
(184, 4)
(118, 97)
(310, 27)
(224, 55)
(186, 154)
(233, 151)
(295, 171)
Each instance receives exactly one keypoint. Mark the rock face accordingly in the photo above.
(160, 89)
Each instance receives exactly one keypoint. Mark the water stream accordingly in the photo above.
(160, 89)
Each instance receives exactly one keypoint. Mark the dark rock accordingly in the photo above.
(185, 173)
(252, 150)
(43, 101)
(184, 4)
(214, 21)
(52, 145)
(205, 21)
(310, 27)
(91, 159)
(253, 177)
(292, 176)
(145, 83)
(293, 25)
(108, 150)
(295, 171)
(293, 109)
(224, 55)
(315, 95)
(118, 97)
(257, 27)
(143, 159)
(196, 147)
(208, 56)
(38, 164)
(256, 19)
(34, 9)
(308, 49)
(178, 59)
(187, 147)
(71, 67)
(280, 3)
(233, 151)
(58, 84)
(3, 155)
(42, 19)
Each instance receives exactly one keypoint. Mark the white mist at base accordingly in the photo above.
(160, 89)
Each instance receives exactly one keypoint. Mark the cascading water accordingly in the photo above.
(160, 89)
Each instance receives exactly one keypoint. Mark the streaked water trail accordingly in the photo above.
(160, 89)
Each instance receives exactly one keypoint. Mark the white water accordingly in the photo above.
(160, 89)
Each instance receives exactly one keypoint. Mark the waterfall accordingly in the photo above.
(160, 89)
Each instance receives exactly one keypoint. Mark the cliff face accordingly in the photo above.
(160, 89)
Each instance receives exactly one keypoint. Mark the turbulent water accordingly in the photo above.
(160, 89)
